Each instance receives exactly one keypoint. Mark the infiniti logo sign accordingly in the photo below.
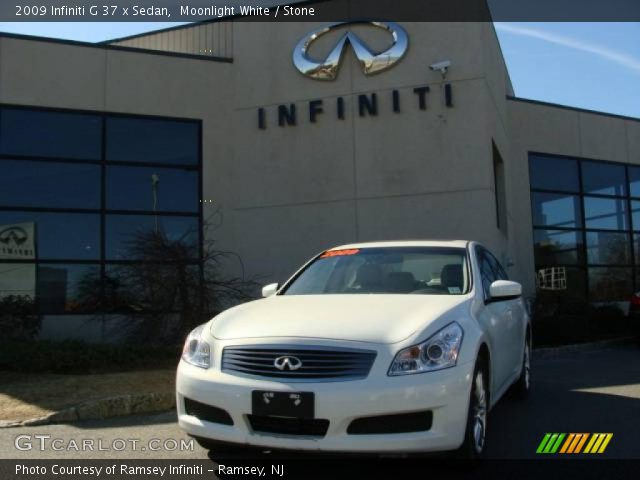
(371, 62)
(287, 363)
(17, 242)
(17, 235)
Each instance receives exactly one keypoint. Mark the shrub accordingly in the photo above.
(78, 357)
(557, 320)
(18, 317)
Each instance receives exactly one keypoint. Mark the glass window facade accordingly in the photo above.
(132, 139)
(51, 134)
(156, 189)
(586, 227)
(26, 183)
(557, 174)
(77, 192)
(58, 235)
(121, 229)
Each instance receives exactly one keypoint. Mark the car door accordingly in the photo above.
(496, 318)
(514, 321)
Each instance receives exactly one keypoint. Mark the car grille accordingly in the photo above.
(316, 363)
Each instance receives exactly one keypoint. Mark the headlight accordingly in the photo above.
(439, 351)
(196, 351)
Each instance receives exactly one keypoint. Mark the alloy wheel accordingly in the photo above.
(479, 412)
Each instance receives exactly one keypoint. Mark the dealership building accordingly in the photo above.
(279, 140)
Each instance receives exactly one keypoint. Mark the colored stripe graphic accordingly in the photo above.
(550, 443)
(598, 442)
(577, 437)
(591, 442)
(573, 443)
(567, 442)
(607, 439)
(581, 442)
(544, 441)
(556, 445)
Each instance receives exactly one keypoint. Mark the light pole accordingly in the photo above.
(155, 180)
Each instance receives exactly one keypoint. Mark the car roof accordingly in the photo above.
(406, 243)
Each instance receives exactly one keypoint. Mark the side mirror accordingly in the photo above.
(270, 290)
(504, 290)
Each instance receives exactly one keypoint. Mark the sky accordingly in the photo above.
(587, 65)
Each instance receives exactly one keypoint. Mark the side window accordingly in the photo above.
(497, 268)
(487, 273)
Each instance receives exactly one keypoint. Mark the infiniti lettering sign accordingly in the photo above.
(371, 62)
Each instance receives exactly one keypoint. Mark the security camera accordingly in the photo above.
(441, 67)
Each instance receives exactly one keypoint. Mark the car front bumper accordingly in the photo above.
(445, 393)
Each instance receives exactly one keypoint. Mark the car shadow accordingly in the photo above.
(580, 392)
(577, 392)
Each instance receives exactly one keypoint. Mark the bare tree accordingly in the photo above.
(169, 289)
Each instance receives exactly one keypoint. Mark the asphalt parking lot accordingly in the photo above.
(580, 392)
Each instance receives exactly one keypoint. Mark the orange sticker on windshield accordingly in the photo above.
(339, 253)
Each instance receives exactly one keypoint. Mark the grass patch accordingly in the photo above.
(24, 396)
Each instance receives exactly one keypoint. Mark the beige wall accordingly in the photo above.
(413, 174)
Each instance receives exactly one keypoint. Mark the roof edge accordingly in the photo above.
(569, 107)
(228, 18)
(120, 48)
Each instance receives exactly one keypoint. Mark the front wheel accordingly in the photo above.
(475, 436)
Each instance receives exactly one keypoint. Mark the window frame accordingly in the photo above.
(583, 230)
(103, 211)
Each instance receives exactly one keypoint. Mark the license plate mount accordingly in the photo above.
(283, 404)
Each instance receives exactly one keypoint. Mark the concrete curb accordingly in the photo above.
(580, 347)
(102, 408)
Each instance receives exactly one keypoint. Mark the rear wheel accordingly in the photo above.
(522, 386)
(475, 436)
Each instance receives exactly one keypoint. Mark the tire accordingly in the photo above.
(475, 437)
(522, 387)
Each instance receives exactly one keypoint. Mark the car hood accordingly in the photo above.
(363, 318)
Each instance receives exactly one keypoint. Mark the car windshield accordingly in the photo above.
(385, 270)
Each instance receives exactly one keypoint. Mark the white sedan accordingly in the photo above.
(372, 347)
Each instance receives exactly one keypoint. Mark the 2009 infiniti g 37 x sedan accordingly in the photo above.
(372, 347)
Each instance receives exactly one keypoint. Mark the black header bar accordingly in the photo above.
(320, 10)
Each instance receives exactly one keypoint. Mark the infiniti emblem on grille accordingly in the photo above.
(287, 363)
